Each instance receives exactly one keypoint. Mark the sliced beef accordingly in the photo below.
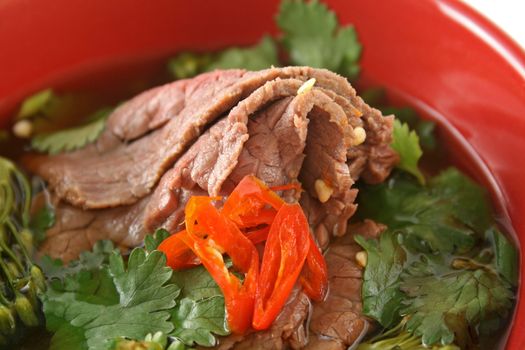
(201, 136)
(76, 230)
(122, 167)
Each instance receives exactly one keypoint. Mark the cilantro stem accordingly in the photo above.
(465, 263)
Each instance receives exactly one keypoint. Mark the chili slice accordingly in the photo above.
(209, 235)
(285, 252)
(178, 254)
(314, 277)
(252, 214)
(250, 201)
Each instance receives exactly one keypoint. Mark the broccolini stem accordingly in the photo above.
(26, 193)
(8, 251)
(7, 274)
(20, 243)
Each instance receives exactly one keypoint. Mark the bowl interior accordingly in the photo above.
(439, 56)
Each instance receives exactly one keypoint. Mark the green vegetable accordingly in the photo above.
(187, 64)
(385, 261)
(424, 128)
(311, 34)
(427, 267)
(36, 103)
(432, 218)
(128, 302)
(201, 311)
(20, 280)
(151, 242)
(42, 220)
(398, 338)
(97, 290)
(196, 321)
(72, 139)
(377, 97)
(260, 56)
(313, 37)
(406, 144)
(506, 256)
(443, 303)
(88, 260)
(468, 201)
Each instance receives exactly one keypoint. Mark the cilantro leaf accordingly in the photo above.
(131, 299)
(196, 283)
(88, 260)
(312, 35)
(142, 293)
(398, 338)
(406, 144)
(506, 256)
(196, 321)
(257, 57)
(442, 304)
(427, 217)
(71, 139)
(423, 128)
(201, 311)
(260, 56)
(188, 64)
(469, 202)
(36, 103)
(43, 219)
(443, 297)
(381, 294)
(151, 242)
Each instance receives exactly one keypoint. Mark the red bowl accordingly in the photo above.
(439, 56)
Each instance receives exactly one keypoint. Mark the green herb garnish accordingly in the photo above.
(74, 138)
(102, 302)
(406, 144)
(386, 259)
(448, 216)
(506, 256)
(36, 103)
(443, 302)
(260, 56)
(117, 300)
(313, 37)
(440, 289)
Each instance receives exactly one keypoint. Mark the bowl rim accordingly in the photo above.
(514, 56)
(493, 36)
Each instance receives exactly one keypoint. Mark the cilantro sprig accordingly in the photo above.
(444, 302)
(406, 144)
(259, 56)
(313, 37)
(74, 138)
(94, 306)
(102, 300)
(442, 289)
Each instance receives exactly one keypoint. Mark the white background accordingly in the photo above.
(507, 14)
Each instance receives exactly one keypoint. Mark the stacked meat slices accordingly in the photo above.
(201, 136)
